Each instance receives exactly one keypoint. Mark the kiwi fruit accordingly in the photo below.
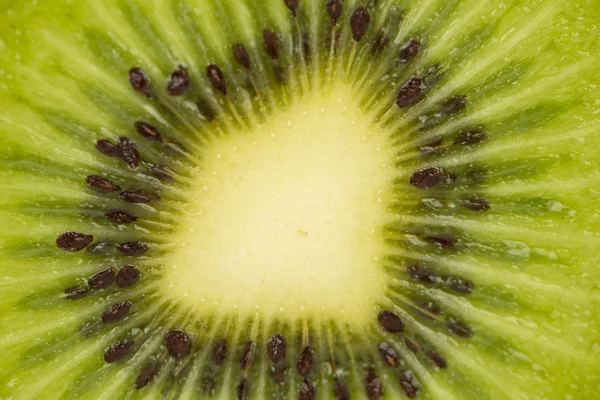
(300, 199)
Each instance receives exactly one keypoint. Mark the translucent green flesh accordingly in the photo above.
(530, 73)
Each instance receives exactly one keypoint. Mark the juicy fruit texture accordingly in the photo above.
(300, 199)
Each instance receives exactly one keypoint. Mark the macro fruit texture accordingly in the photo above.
(305, 199)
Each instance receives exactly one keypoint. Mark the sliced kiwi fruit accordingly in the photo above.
(331, 199)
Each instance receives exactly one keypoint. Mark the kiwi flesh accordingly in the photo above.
(304, 199)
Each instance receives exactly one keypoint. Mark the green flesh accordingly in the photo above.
(530, 71)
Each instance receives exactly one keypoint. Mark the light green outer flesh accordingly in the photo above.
(554, 263)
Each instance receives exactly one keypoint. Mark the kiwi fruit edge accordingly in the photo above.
(463, 134)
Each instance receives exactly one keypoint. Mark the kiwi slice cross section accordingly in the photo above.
(300, 199)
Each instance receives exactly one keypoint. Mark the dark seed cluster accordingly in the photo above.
(178, 344)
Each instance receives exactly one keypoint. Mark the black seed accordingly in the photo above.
(334, 9)
(219, 352)
(73, 241)
(359, 22)
(276, 348)
(305, 361)
(217, 79)
(120, 217)
(409, 383)
(205, 109)
(340, 390)
(132, 249)
(380, 43)
(241, 55)
(428, 178)
(409, 51)
(127, 276)
(455, 105)
(373, 385)
(140, 82)
(135, 196)
(106, 147)
(148, 131)
(116, 312)
(271, 44)
(389, 354)
(179, 344)
(117, 351)
(102, 279)
(443, 241)
(76, 292)
(420, 274)
(209, 385)
(162, 173)
(292, 5)
(475, 204)
(247, 355)
(460, 285)
(470, 137)
(278, 375)
(101, 184)
(411, 93)
(307, 390)
(128, 152)
(436, 358)
(243, 389)
(146, 376)
(179, 82)
(460, 329)
(390, 321)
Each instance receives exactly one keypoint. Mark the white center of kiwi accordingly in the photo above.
(289, 216)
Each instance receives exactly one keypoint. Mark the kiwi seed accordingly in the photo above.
(103, 185)
(106, 147)
(73, 241)
(139, 81)
(127, 276)
(179, 82)
(118, 351)
(217, 79)
(390, 321)
(271, 43)
(305, 361)
(116, 312)
(179, 344)
(409, 51)
(360, 22)
(148, 131)
(102, 279)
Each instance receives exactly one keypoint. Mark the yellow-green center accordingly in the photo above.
(288, 216)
